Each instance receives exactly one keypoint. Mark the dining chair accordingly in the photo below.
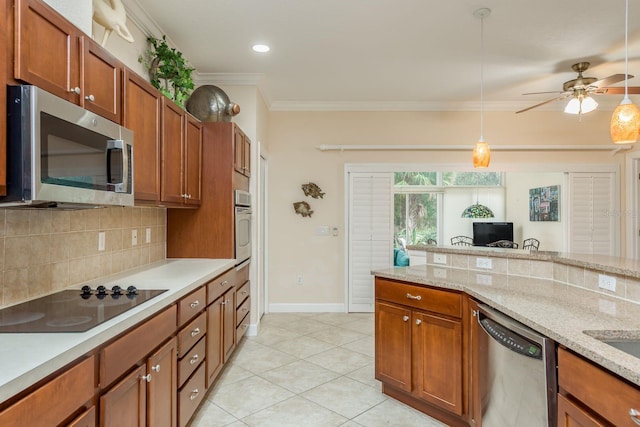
(504, 244)
(531, 244)
(432, 242)
(462, 241)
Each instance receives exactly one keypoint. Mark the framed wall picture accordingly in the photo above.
(544, 203)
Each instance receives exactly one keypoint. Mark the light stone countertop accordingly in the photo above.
(27, 358)
(560, 311)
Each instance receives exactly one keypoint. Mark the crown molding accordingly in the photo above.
(238, 79)
(141, 19)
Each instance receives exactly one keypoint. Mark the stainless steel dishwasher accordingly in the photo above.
(517, 373)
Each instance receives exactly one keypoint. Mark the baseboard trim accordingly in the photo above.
(306, 308)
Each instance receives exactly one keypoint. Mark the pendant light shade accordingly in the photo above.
(481, 151)
(477, 211)
(625, 121)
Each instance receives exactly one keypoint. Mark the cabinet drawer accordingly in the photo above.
(191, 333)
(86, 419)
(191, 305)
(220, 285)
(190, 396)
(600, 390)
(242, 328)
(191, 361)
(242, 273)
(242, 293)
(117, 357)
(55, 401)
(424, 298)
(243, 310)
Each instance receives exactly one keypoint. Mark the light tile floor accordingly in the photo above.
(306, 369)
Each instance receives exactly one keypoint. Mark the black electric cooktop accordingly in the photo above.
(72, 310)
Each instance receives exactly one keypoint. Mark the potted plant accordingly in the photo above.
(168, 70)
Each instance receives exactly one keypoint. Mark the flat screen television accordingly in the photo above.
(489, 232)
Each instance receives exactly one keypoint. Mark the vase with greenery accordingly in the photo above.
(169, 71)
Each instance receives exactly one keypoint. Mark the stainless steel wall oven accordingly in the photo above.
(242, 226)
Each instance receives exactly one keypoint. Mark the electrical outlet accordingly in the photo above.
(484, 263)
(148, 236)
(484, 279)
(607, 282)
(439, 273)
(101, 240)
(439, 259)
(134, 237)
(299, 279)
(322, 230)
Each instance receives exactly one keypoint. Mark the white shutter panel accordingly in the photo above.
(592, 224)
(370, 234)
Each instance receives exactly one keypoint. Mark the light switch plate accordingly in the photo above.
(101, 240)
(134, 237)
(148, 235)
(607, 282)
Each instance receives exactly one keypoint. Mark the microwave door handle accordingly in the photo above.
(118, 144)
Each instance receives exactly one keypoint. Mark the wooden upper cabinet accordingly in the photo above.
(242, 152)
(173, 128)
(142, 109)
(54, 55)
(101, 81)
(5, 60)
(47, 52)
(193, 161)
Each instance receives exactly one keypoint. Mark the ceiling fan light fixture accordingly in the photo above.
(581, 105)
(573, 106)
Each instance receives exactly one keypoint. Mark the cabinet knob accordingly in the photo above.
(245, 309)
(405, 318)
(634, 414)
(194, 304)
(156, 368)
(195, 332)
(418, 321)
(184, 196)
(223, 302)
(245, 292)
(90, 98)
(224, 283)
(75, 90)
(188, 196)
(146, 378)
(474, 313)
(194, 394)
(194, 359)
(415, 297)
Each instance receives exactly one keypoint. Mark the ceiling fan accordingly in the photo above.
(581, 88)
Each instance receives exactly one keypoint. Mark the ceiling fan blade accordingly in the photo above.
(543, 103)
(542, 93)
(633, 90)
(614, 78)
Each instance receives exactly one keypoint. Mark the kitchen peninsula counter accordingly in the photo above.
(27, 358)
(550, 305)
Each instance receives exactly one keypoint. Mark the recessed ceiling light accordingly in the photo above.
(262, 48)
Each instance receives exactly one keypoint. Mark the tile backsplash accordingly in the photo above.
(44, 250)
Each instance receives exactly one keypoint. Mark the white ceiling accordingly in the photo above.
(398, 54)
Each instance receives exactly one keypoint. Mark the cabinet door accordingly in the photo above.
(229, 324)
(141, 113)
(162, 388)
(86, 419)
(214, 339)
(47, 50)
(125, 404)
(246, 155)
(238, 146)
(475, 400)
(393, 345)
(570, 415)
(173, 119)
(437, 352)
(193, 161)
(4, 76)
(102, 81)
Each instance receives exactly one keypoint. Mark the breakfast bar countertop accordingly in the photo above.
(569, 315)
(26, 358)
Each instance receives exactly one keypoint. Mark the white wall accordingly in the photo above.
(79, 13)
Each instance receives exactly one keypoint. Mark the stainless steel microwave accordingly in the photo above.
(59, 154)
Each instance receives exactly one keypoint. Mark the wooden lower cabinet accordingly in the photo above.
(126, 403)
(419, 352)
(191, 395)
(86, 419)
(162, 371)
(571, 415)
(221, 333)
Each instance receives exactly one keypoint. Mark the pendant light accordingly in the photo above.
(477, 210)
(625, 122)
(481, 151)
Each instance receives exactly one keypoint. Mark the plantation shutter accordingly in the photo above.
(592, 221)
(370, 235)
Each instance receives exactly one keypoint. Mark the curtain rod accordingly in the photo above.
(573, 147)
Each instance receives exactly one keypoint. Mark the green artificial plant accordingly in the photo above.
(169, 71)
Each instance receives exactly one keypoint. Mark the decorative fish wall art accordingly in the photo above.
(312, 190)
(302, 208)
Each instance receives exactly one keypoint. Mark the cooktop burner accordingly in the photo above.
(72, 310)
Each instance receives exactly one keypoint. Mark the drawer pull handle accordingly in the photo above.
(194, 304)
(245, 292)
(156, 368)
(415, 297)
(405, 318)
(224, 283)
(245, 309)
(90, 98)
(194, 359)
(418, 321)
(634, 414)
(195, 332)
(146, 378)
(194, 394)
(224, 302)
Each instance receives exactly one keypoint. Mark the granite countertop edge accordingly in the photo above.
(29, 358)
(559, 311)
